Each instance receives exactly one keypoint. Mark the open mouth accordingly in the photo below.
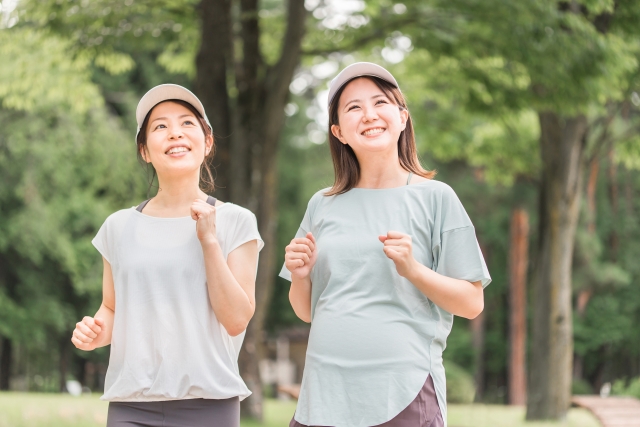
(177, 150)
(372, 132)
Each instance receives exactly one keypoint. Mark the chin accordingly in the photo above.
(178, 169)
(378, 146)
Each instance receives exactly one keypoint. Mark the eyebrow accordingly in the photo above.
(164, 118)
(358, 100)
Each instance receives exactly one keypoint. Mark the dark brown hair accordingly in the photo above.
(206, 177)
(345, 163)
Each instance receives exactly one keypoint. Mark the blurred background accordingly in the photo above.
(529, 110)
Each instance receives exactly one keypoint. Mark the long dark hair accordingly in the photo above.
(207, 182)
(345, 163)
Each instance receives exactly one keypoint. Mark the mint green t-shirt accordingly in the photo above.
(374, 336)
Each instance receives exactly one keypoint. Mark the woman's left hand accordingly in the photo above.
(397, 247)
(205, 216)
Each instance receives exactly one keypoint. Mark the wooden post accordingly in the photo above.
(518, 261)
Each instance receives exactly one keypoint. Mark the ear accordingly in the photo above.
(208, 144)
(335, 130)
(404, 117)
(145, 154)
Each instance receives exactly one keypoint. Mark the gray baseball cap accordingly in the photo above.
(166, 92)
(359, 69)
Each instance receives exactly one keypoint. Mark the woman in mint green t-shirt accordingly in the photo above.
(381, 263)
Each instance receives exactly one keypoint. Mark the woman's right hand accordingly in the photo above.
(89, 333)
(300, 256)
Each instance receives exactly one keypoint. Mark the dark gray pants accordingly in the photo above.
(422, 412)
(175, 413)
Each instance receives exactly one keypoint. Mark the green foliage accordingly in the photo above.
(65, 164)
(581, 386)
(460, 387)
(42, 75)
(622, 388)
(590, 270)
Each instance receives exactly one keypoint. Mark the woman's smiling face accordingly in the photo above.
(175, 139)
(368, 120)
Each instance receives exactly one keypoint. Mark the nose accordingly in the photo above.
(369, 114)
(175, 133)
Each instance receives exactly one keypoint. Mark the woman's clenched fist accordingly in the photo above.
(88, 333)
(300, 256)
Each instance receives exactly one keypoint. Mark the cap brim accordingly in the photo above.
(359, 69)
(165, 92)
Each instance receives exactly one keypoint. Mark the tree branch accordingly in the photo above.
(379, 32)
(247, 73)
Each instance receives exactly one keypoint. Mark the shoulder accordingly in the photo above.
(234, 212)
(319, 196)
(438, 191)
(120, 216)
(318, 199)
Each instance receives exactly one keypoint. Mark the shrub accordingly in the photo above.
(460, 385)
(581, 387)
(632, 389)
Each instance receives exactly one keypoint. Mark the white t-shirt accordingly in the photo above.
(167, 343)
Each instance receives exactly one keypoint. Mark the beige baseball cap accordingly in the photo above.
(359, 69)
(166, 92)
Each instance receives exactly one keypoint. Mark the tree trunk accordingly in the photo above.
(212, 62)
(477, 339)
(562, 142)
(248, 129)
(5, 363)
(519, 259)
(614, 241)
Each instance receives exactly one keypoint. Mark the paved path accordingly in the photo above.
(611, 411)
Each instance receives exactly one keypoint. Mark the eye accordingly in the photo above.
(160, 126)
(352, 107)
(383, 101)
(188, 122)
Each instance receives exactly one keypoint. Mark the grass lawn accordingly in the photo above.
(58, 410)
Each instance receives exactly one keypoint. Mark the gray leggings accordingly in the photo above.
(175, 413)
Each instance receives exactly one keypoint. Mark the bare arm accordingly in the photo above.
(232, 284)
(458, 297)
(300, 257)
(300, 298)
(93, 332)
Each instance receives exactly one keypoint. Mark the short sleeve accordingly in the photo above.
(246, 230)
(305, 227)
(101, 241)
(456, 252)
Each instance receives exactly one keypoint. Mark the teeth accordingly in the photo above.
(373, 131)
(177, 150)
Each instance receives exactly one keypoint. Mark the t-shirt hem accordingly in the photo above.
(168, 399)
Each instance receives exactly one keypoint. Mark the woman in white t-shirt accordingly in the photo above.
(178, 283)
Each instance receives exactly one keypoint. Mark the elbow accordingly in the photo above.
(236, 326)
(475, 310)
(234, 332)
(304, 317)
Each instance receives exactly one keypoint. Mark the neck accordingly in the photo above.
(381, 170)
(175, 192)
